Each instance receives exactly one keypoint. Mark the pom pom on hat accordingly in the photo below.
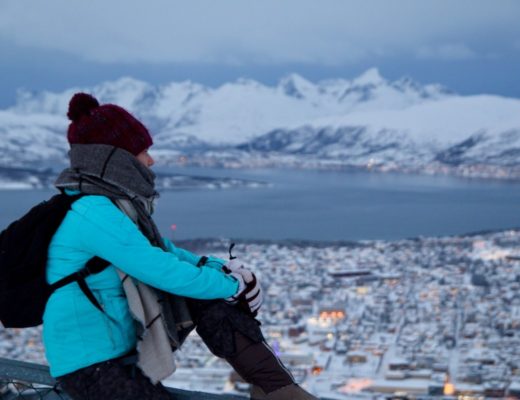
(81, 104)
(105, 124)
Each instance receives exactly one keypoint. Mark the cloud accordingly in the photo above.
(236, 32)
(453, 51)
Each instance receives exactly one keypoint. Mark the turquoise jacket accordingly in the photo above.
(75, 333)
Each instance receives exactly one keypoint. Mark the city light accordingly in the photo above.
(355, 385)
(449, 388)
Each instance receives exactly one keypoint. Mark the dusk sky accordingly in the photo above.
(470, 46)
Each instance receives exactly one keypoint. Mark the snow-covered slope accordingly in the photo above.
(477, 129)
(362, 121)
(30, 139)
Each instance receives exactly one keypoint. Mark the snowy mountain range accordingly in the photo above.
(365, 122)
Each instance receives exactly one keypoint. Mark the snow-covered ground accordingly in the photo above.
(430, 313)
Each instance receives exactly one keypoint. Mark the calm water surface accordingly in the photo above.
(323, 206)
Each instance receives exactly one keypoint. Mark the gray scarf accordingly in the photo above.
(105, 170)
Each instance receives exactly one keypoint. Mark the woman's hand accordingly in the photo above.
(249, 290)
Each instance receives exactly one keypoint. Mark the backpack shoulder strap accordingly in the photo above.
(94, 266)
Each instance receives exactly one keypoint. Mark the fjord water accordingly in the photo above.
(323, 206)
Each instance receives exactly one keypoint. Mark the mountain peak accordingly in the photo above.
(247, 82)
(294, 77)
(295, 85)
(125, 83)
(369, 77)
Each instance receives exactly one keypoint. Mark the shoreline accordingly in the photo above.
(222, 244)
(212, 241)
(28, 178)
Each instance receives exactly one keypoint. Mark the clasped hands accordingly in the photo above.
(249, 290)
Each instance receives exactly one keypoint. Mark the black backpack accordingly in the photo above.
(24, 290)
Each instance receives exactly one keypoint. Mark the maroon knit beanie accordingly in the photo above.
(106, 124)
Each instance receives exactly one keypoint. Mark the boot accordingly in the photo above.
(258, 365)
(289, 392)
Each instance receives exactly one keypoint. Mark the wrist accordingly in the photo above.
(240, 287)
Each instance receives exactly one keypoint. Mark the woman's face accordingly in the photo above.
(145, 158)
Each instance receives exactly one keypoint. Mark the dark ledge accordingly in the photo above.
(37, 376)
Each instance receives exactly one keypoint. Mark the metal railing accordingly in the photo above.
(24, 380)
